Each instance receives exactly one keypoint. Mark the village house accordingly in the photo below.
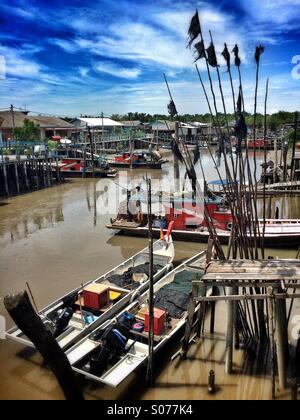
(100, 126)
(49, 125)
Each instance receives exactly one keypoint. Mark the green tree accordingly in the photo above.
(29, 132)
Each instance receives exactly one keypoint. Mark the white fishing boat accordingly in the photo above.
(135, 351)
(70, 318)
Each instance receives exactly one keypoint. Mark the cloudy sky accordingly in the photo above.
(70, 57)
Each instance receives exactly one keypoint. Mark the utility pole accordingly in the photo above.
(13, 118)
(102, 134)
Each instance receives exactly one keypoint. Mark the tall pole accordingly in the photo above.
(176, 161)
(13, 119)
(102, 135)
(294, 145)
(92, 149)
(151, 291)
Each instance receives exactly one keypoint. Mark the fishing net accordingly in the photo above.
(126, 280)
(174, 297)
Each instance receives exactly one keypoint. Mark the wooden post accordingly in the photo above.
(276, 162)
(57, 170)
(17, 178)
(5, 178)
(280, 327)
(230, 334)
(272, 337)
(26, 175)
(294, 145)
(36, 173)
(23, 314)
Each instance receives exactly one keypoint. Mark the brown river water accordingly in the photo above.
(56, 239)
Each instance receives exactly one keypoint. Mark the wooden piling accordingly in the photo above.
(230, 334)
(17, 178)
(5, 179)
(280, 334)
(272, 337)
(26, 175)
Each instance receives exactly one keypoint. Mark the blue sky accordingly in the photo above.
(71, 57)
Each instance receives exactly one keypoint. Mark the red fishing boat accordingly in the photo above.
(78, 168)
(189, 223)
(138, 160)
(258, 144)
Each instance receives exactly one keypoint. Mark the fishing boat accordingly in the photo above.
(89, 357)
(138, 160)
(78, 168)
(72, 316)
(189, 223)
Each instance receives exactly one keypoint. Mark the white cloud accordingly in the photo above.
(118, 71)
(64, 44)
(282, 12)
(83, 71)
(18, 11)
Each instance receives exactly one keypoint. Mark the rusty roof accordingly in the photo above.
(6, 120)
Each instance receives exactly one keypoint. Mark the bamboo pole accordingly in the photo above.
(151, 288)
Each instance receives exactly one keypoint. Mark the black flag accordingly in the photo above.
(176, 151)
(258, 52)
(196, 154)
(172, 109)
(226, 55)
(194, 29)
(200, 51)
(211, 55)
(239, 103)
(237, 60)
(240, 132)
(193, 177)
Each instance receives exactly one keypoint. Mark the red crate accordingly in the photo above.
(159, 321)
(96, 296)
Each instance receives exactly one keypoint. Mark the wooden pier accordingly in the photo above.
(24, 175)
(257, 294)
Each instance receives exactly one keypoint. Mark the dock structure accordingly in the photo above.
(23, 175)
(257, 294)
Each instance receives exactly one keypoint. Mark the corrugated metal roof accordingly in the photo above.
(98, 122)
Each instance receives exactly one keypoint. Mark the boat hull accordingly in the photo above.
(146, 165)
(271, 241)
(88, 174)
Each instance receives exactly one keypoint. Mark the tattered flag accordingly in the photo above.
(226, 55)
(240, 132)
(194, 29)
(193, 177)
(211, 55)
(176, 151)
(200, 50)
(172, 109)
(258, 52)
(237, 60)
(196, 154)
(239, 103)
